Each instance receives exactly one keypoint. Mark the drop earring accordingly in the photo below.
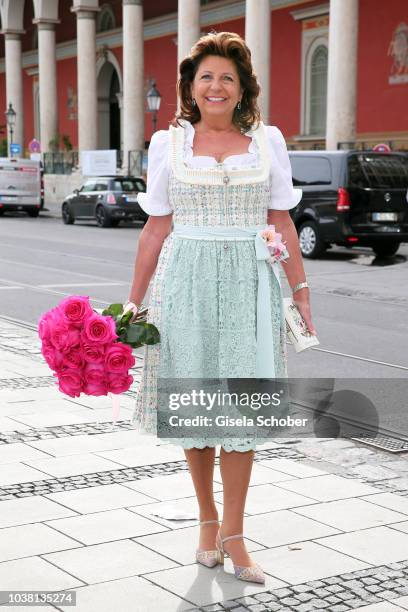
(239, 105)
(193, 102)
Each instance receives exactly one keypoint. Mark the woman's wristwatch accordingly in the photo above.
(299, 286)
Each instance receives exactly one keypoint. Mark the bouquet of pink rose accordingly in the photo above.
(89, 352)
(276, 247)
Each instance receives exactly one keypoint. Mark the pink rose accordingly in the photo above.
(46, 323)
(118, 383)
(119, 358)
(272, 238)
(269, 234)
(95, 388)
(74, 359)
(93, 353)
(75, 309)
(94, 371)
(94, 379)
(63, 337)
(276, 247)
(70, 381)
(99, 329)
(52, 356)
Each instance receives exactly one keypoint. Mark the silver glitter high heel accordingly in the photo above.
(209, 558)
(249, 574)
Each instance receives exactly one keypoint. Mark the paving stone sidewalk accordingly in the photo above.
(97, 508)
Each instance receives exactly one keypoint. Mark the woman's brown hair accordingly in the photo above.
(232, 47)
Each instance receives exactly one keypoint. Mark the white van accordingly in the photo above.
(20, 185)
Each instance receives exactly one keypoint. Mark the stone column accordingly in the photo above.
(188, 27)
(258, 39)
(47, 64)
(14, 84)
(133, 79)
(86, 67)
(342, 72)
(119, 97)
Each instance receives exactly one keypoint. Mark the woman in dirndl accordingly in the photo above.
(216, 178)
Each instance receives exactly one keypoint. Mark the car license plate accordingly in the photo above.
(132, 198)
(9, 198)
(385, 216)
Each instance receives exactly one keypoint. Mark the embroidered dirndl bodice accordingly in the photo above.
(219, 195)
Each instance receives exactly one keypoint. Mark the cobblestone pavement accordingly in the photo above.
(351, 591)
(95, 507)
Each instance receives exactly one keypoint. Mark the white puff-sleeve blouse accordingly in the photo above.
(156, 202)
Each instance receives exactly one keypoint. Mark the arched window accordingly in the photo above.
(318, 91)
(106, 19)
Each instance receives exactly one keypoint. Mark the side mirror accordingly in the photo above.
(76, 192)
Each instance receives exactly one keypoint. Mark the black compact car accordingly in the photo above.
(350, 198)
(108, 199)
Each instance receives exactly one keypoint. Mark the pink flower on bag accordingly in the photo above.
(119, 358)
(99, 329)
(276, 247)
(93, 353)
(69, 381)
(269, 235)
(75, 309)
(118, 383)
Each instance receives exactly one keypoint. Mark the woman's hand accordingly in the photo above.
(130, 307)
(301, 300)
(139, 311)
(293, 266)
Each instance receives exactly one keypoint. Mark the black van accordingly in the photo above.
(350, 198)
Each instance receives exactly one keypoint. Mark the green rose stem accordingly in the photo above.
(135, 334)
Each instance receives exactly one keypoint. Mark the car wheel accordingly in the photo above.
(102, 218)
(67, 216)
(310, 241)
(34, 212)
(1, 213)
(386, 249)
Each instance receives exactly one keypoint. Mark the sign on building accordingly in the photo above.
(98, 163)
(34, 146)
(382, 147)
(15, 149)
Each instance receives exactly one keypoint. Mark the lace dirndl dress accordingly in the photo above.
(204, 293)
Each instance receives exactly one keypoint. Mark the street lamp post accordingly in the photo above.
(153, 98)
(11, 120)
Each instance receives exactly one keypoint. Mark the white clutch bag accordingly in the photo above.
(296, 328)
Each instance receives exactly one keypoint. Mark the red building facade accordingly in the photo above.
(298, 68)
